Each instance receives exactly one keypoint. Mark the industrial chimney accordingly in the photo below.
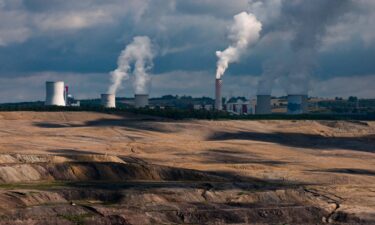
(141, 101)
(55, 93)
(218, 98)
(297, 104)
(108, 100)
(263, 105)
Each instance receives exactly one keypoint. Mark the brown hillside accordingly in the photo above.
(92, 168)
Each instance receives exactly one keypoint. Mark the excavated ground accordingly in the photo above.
(91, 168)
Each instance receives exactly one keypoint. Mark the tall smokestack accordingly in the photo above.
(218, 98)
(55, 93)
(66, 93)
(263, 104)
(108, 100)
(141, 101)
(297, 104)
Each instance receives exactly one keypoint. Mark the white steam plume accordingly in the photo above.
(141, 54)
(244, 32)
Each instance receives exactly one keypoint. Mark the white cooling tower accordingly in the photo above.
(55, 93)
(263, 104)
(108, 100)
(141, 101)
(297, 104)
(218, 98)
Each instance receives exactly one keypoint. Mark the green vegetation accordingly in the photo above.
(179, 114)
(35, 185)
(352, 105)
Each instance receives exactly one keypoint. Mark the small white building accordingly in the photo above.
(198, 107)
(208, 107)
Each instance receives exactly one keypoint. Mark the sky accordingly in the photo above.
(330, 42)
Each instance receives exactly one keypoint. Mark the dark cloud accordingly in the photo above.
(306, 22)
(85, 37)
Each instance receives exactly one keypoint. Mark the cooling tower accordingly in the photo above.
(55, 93)
(297, 104)
(263, 104)
(218, 98)
(108, 100)
(141, 101)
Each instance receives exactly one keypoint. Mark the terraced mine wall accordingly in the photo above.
(100, 189)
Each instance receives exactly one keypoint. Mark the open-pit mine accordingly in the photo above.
(93, 168)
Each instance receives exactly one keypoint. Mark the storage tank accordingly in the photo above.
(141, 100)
(263, 105)
(108, 100)
(218, 98)
(55, 93)
(297, 104)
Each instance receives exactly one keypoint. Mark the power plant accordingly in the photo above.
(55, 93)
(263, 105)
(58, 94)
(108, 100)
(297, 104)
(218, 97)
(141, 101)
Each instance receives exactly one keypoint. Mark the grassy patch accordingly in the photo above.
(36, 186)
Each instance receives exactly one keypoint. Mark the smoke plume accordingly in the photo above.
(139, 53)
(271, 71)
(306, 22)
(244, 32)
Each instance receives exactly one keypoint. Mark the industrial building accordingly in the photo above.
(141, 101)
(108, 100)
(55, 93)
(239, 107)
(263, 105)
(297, 104)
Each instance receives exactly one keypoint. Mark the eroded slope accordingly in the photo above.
(95, 168)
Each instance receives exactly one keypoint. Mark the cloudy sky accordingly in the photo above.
(79, 42)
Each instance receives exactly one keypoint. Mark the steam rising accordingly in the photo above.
(306, 22)
(141, 54)
(244, 32)
(272, 69)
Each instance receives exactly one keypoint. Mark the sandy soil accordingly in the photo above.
(81, 167)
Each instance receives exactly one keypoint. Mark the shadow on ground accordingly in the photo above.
(349, 171)
(232, 156)
(67, 152)
(298, 140)
(126, 123)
